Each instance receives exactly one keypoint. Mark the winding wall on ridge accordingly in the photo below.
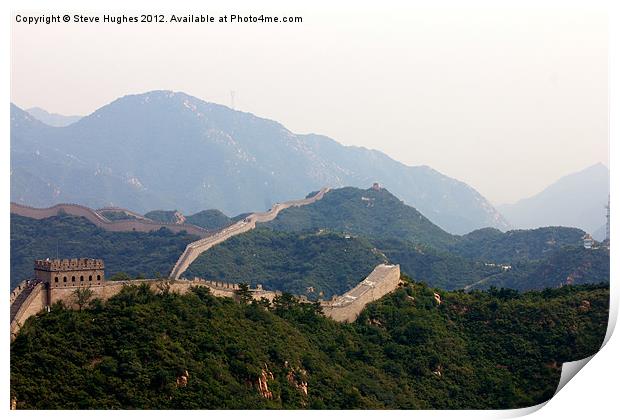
(29, 299)
(194, 249)
(126, 225)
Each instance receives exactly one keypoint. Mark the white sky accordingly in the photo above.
(505, 100)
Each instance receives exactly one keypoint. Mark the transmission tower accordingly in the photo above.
(607, 235)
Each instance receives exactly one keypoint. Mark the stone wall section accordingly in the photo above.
(345, 308)
(43, 296)
(128, 225)
(18, 290)
(34, 303)
(111, 288)
(193, 250)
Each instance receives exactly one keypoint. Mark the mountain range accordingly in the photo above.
(163, 150)
(55, 120)
(577, 200)
(327, 246)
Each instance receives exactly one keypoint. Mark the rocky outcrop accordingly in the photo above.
(437, 298)
(298, 378)
(262, 383)
(183, 379)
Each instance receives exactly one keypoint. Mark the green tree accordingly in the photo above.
(243, 293)
(82, 296)
(120, 276)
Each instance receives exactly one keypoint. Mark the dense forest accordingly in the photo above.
(210, 219)
(135, 253)
(311, 264)
(515, 245)
(566, 266)
(437, 268)
(163, 216)
(496, 349)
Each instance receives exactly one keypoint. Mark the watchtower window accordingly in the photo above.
(64, 279)
(81, 278)
(98, 277)
(72, 278)
(56, 279)
(90, 278)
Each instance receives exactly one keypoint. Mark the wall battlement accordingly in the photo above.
(75, 272)
(69, 264)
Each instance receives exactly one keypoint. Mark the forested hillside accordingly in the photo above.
(569, 265)
(164, 351)
(437, 268)
(371, 213)
(515, 245)
(135, 253)
(210, 219)
(312, 264)
(165, 216)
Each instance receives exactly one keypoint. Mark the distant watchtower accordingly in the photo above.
(69, 273)
(376, 186)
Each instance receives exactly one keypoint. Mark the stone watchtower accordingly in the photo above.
(76, 272)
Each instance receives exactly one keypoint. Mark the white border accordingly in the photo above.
(592, 394)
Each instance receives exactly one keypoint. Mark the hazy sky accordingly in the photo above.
(505, 100)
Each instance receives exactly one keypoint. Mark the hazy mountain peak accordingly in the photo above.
(164, 149)
(577, 200)
(52, 119)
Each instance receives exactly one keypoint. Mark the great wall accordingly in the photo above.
(61, 280)
(193, 250)
(32, 297)
(140, 224)
(381, 281)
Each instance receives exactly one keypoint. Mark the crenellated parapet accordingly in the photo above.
(69, 264)
(75, 272)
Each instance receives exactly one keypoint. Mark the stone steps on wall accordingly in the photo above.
(19, 300)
